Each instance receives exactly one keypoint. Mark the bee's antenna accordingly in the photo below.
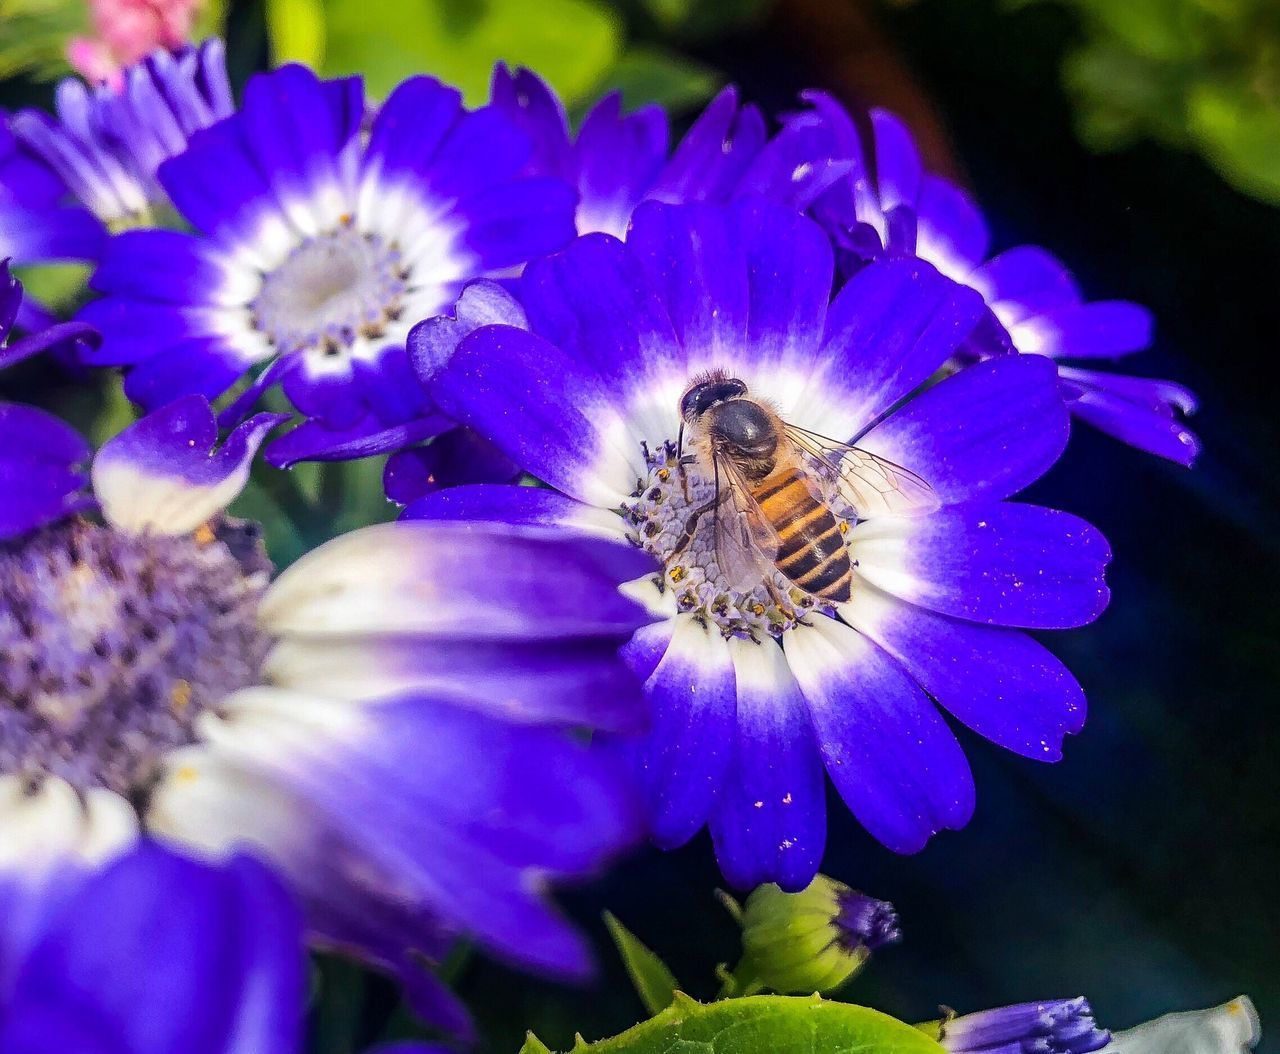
(680, 442)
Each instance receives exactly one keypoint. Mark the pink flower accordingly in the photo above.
(126, 31)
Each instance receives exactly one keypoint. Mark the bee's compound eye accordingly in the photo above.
(702, 397)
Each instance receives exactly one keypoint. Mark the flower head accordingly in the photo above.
(616, 160)
(889, 206)
(386, 721)
(108, 140)
(319, 239)
(814, 940)
(757, 683)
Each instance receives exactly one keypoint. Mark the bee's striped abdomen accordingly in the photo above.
(812, 552)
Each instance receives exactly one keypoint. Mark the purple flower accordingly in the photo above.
(153, 952)
(757, 685)
(889, 206)
(107, 143)
(387, 721)
(616, 160)
(320, 237)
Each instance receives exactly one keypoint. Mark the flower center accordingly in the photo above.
(333, 290)
(112, 645)
(659, 513)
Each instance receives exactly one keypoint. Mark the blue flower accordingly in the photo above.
(1066, 1026)
(106, 144)
(888, 205)
(387, 721)
(756, 685)
(616, 160)
(321, 235)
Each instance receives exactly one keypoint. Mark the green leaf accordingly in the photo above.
(646, 75)
(655, 983)
(296, 31)
(1239, 132)
(571, 43)
(776, 1024)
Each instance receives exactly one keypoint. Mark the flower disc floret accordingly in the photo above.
(114, 644)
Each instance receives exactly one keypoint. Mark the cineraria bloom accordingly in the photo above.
(388, 721)
(1066, 1026)
(889, 205)
(59, 339)
(903, 568)
(318, 242)
(107, 142)
(618, 160)
(154, 952)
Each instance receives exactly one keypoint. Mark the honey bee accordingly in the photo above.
(770, 509)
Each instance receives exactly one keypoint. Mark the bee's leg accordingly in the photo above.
(684, 479)
(690, 528)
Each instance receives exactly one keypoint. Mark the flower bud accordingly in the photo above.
(1058, 1026)
(1065, 1026)
(814, 940)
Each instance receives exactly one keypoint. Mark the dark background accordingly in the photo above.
(1140, 871)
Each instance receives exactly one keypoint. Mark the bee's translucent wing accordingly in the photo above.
(872, 485)
(746, 543)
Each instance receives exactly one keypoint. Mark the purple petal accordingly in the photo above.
(898, 166)
(888, 331)
(886, 748)
(431, 343)
(950, 231)
(594, 302)
(422, 578)
(166, 474)
(1002, 564)
(368, 437)
(534, 506)
(550, 412)
(986, 432)
(1103, 329)
(618, 159)
(457, 457)
(533, 107)
(1026, 281)
(692, 257)
(684, 758)
(770, 822)
(1136, 410)
(999, 682)
(159, 954)
(39, 476)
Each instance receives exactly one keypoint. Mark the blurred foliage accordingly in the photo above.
(777, 1024)
(580, 47)
(1195, 74)
(34, 35)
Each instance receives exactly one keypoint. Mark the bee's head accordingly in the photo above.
(708, 391)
